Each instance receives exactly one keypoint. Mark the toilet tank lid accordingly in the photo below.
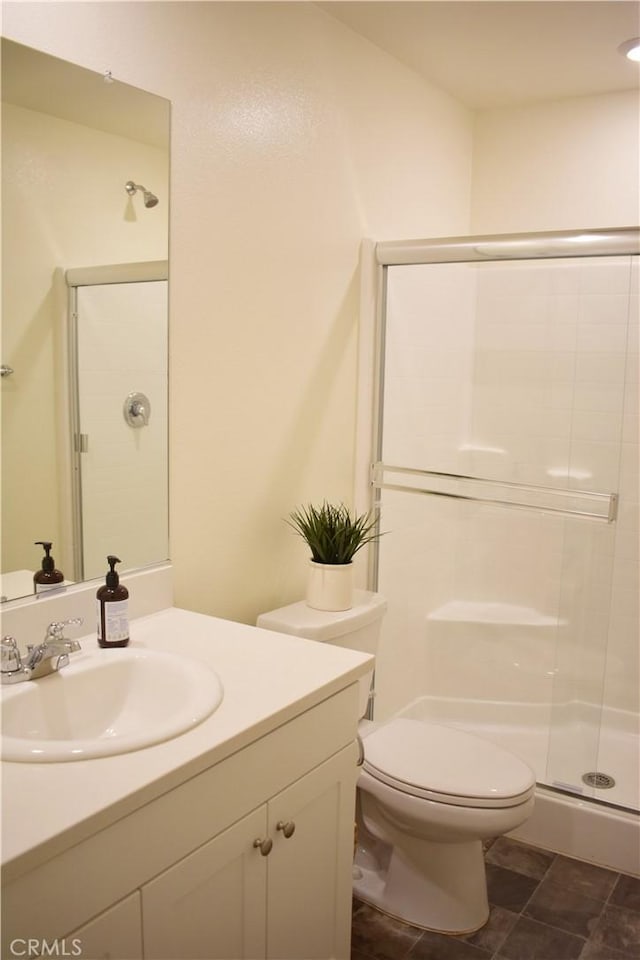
(303, 621)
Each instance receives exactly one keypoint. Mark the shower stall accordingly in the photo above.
(505, 473)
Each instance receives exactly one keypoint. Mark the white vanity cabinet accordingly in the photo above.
(276, 884)
(181, 876)
(114, 935)
(212, 904)
(310, 873)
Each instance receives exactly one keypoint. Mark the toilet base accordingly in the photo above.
(438, 887)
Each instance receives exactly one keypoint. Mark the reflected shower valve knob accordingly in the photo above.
(137, 409)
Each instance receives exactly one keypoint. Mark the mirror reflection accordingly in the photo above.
(85, 188)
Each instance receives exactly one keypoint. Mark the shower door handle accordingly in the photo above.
(503, 493)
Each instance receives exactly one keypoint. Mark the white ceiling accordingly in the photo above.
(490, 54)
(35, 80)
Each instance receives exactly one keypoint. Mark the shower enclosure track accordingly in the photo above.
(615, 241)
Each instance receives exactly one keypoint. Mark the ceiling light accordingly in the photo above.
(631, 49)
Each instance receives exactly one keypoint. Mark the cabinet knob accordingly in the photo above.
(287, 827)
(264, 846)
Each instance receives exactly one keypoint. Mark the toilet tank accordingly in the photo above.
(357, 628)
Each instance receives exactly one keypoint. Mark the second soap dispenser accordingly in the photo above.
(112, 609)
(48, 577)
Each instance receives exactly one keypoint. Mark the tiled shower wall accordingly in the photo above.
(524, 371)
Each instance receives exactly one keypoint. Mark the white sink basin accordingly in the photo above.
(106, 702)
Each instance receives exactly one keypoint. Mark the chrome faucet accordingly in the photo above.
(40, 660)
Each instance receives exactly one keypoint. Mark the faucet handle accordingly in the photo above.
(10, 655)
(55, 630)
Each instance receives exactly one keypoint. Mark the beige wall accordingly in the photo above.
(292, 140)
(559, 165)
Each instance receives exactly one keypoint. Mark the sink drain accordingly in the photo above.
(601, 781)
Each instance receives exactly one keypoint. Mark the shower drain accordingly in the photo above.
(601, 781)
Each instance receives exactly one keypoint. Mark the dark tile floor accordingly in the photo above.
(544, 906)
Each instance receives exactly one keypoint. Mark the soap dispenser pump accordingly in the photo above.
(47, 578)
(112, 609)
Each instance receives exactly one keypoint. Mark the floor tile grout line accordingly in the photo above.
(482, 954)
(551, 926)
(522, 915)
(526, 904)
(612, 891)
(554, 857)
(587, 939)
(603, 903)
(533, 892)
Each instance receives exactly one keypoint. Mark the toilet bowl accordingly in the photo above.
(428, 795)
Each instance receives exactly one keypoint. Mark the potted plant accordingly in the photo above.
(334, 537)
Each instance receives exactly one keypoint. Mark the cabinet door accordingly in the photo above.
(114, 934)
(310, 872)
(212, 904)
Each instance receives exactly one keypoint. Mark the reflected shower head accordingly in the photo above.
(150, 199)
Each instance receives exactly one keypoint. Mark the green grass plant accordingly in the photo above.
(333, 535)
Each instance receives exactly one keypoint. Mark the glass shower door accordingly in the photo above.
(593, 741)
(498, 466)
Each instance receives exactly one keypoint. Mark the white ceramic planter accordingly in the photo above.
(330, 586)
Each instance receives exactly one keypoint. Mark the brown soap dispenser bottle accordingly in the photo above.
(47, 578)
(112, 609)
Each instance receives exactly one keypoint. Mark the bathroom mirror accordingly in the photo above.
(85, 191)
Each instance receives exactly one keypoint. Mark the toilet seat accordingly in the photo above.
(446, 765)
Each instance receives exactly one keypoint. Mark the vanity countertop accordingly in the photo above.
(268, 678)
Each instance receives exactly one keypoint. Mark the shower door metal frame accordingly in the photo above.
(617, 241)
(143, 272)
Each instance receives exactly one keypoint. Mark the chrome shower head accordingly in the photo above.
(150, 199)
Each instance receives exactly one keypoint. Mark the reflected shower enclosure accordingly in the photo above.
(506, 472)
(118, 368)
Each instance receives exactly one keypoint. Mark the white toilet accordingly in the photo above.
(428, 795)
